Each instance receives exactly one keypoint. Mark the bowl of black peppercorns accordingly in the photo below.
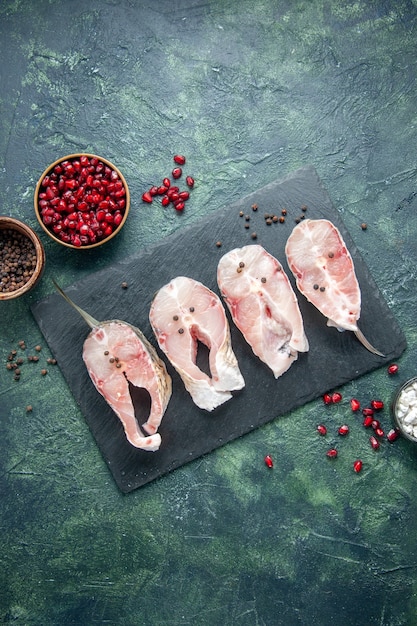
(22, 258)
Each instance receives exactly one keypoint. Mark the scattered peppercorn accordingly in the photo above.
(38, 348)
(44, 372)
(254, 207)
(124, 285)
(282, 219)
(284, 212)
(219, 244)
(254, 236)
(275, 219)
(181, 331)
(268, 221)
(364, 226)
(304, 207)
(29, 408)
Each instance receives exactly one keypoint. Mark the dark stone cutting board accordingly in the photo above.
(188, 432)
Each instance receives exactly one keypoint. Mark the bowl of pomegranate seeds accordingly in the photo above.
(82, 201)
(404, 409)
(22, 258)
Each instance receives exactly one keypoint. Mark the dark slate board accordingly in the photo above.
(188, 432)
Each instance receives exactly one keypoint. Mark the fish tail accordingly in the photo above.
(366, 343)
(93, 323)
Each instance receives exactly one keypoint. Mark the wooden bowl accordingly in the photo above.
(77, 185)
(18, 228)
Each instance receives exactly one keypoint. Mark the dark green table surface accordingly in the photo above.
(249, 91)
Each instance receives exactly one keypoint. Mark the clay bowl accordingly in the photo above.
(22, 233)
(82, 201)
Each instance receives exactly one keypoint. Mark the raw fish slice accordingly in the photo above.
(182, 313)
(325, 274)
(263, 305)
(116, 354)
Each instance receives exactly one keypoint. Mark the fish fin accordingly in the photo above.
(366, 343)
(93, 323)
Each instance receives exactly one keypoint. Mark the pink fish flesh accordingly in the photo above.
(263, 305)
(183, 313)
(324, 271)
(116, 354)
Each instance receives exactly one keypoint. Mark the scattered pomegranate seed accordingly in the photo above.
(179, 159)
(153, 190)
(179, 205)
(336, 397)
(327, 398)
(375, 424)
(355, 404)
(377, 405)
(367, 422)
(190, 181)
(147, 196)
(343, 430)
(177, 172)
(268, 461)
(332, 453)
(165, 200)
(392, 369)
(166, 183)
(367, 412)
(321, 429)
(379, 432)
(393, 434)
(374, 442)
(357, 466)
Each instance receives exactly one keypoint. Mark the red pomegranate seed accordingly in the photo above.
(332, 453)
(393, 434)
(336, 397)
(392, 369)
(153, 190)
(374, 442)
(379, 432)
(377, 405)
(165, 200)
(166, 183)
(190, 181)
(355, 404)
(180, 159)
(321, 429)
(367, 422)
(268, 461)
(162, 190)
(184, 195)
(367, 412)
(343, 430)
(375, 424)
(357, 466)
(147, 197)
(327, 398)
(176, 172)
(179, 205)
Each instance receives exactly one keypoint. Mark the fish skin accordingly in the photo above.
(208, 324)
(307, 251)
(266, 312)
(140, 365)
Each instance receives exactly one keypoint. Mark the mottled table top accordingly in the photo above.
(249, 92)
